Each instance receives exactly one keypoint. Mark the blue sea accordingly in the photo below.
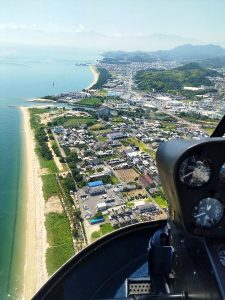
(26, 72)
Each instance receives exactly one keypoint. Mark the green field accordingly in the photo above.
(104, 229)
(59, 240)
(77, 121)
(50, 186)
(47, 164)
(161, 201)
(92, 101)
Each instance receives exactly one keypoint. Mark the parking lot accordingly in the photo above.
(89, 203)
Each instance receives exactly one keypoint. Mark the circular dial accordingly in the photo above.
(208, 213)
(222, 173)
(195, 171)
(221, 255)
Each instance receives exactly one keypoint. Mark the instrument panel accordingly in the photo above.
(195, 171)
(201, 178)
(207, 213)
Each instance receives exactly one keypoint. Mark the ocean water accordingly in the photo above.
(26, 72)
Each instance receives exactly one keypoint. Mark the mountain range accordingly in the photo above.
(186, 52)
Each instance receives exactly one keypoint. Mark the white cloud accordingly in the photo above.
(117, 34)
(80, 28)
(80, 36)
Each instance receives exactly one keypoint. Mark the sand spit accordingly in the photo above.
(35, 273)
(95, 74)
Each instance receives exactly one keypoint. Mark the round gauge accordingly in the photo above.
(221, 255)
(208, 213)
(222, 173)
(195, 171)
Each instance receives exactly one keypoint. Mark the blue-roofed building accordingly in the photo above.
(95, 183)
(112, 94)
(58, 129)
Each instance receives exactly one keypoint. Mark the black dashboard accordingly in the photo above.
(196, 191)
(193, 178)
(200, 182)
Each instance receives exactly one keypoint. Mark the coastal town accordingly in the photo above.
(97, 151)
(112, 174)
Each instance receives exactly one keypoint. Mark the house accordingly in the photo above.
(146, 181)
(101, 206)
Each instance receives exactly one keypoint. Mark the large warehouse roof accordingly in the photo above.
(95, 183)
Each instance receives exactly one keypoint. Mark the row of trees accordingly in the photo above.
(104, 76)
(42, 146)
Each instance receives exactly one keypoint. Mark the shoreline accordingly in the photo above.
(95, 73)
(35, 273)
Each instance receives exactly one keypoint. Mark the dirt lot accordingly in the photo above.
(136, 193)
(53, 205)
(126, 175)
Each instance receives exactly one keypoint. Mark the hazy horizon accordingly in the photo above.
(118, 25)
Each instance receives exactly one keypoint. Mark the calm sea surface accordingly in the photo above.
(26, 73)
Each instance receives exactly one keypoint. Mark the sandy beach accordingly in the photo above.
(35, 273)
(95, 74)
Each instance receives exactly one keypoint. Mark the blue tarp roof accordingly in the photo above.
(95, 183)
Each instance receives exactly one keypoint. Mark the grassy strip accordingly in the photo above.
(161, 201)
(104, 229)
(47, 164)
(143, 147)
(60, 241)
(50, 186)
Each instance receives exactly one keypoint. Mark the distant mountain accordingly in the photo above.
(196, 52)
(184, 52)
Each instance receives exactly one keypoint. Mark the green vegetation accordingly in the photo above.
(168, 126)
(209, 130)
(91, 101)
(174, 80)
(161, 201)
(102, 92)
(51, 97)
(110, 157)
(104, 76)
(104, 229)
(130, 204)
(97, 126)
(50, 186)
(143, 147)
(68, 183)
(110, 180)
(48, 165)
(59, 240)
(196, 117)
(96, 235)
(42, 146)
(149, 200)
(55, 148)
(98, 215)
(118, 120)
(42, 149)
(74, 121)
(101, 138)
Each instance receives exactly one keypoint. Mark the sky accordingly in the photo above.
(112, 24)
